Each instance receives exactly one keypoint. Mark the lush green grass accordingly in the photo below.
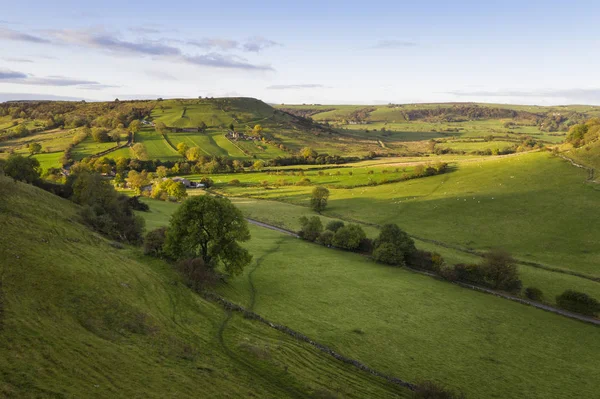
(476, 145)
(589, 156)
(532, 204)
(156, 146)
(49, 160)
(414, 325)
(83, 319)
(89, 147)
(404, 321)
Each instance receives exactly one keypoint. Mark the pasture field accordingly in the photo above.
(476, 145)
(156, 146)
(49, 160)
(524, 203)
(589, 156)
(105, 322)
(286, 216)
(394, 319)
(51, 140)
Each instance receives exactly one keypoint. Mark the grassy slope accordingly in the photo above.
(589, 156)
(411, 324)
(82, 319)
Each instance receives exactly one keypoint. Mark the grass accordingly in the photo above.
(533, 205)
(83, 319)
(156, 146)
(412, 324)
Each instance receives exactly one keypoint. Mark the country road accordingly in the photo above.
(548, 308)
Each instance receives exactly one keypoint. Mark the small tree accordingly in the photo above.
(319, 198)
(137, 180)
(334, 225)
(393, 246)
(326, 238)
(154, 242)
(349, 237)
(160, 127)
(161, 172)
(258, 165)
(231, 127)
(311, 228)
(35, 148)
(308, 152)
(210, 228)
(115, 136)
(501, 271)
(578, 302)
(140, 151)
(193, 154)
(258, 129)
(535, 294)
(202, 127)
(22, 169)
(182, 148)
(134, 126)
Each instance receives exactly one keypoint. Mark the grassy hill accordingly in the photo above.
(408, 323)
(81, 318)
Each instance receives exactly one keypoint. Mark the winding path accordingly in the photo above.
(548, 308)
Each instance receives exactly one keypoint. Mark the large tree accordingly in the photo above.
(318, 200)
(22, 169)
(34, 148)
(393, 246)
(210, 228)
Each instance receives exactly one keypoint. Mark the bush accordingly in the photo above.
(234, 182)
(326, 238)
(197, 275)
(22, 169)
(334, 225)
(207, 181)
(501, 271)
(311, 228)
(365, 246)
(426, 261)
(137, 205)
(303, 182)
(349, 237)
(433, 390)
(389, 254)
(154, 242)
(578, 302)
(469, 273)
(535, 294)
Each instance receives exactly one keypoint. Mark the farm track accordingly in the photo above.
(538, 305)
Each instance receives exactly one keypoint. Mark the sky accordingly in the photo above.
(324, 52)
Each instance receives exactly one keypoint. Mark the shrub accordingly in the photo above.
(501, 271)
(578, 302)
(334, 225)
(197, 275)
(137, 205)
(207, 181)
(154, 242)
(234, 182)
(433, 390)
(303, 182)
(22, 169)
(326, 238)
(389, 254)
(349, 237)
(469, 273)
(318, 200)
(535, 294)
(426, 260)
(311, 228)
(365, 246)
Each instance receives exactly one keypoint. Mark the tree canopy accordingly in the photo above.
(318, 200)
(210, 228)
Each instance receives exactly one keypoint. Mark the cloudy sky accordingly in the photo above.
(527, 51)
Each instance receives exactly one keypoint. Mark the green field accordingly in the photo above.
(523, 203)
(394, 318)
(81, 318)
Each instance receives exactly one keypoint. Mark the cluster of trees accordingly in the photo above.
(203, 237)
(102, 208)
(584, 133)
(336, 234)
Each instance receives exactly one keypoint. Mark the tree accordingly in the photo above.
(349, 237)
(500, 270)
(318, 200)
(231, 127)
(202, 127)
(137, 180)
(100, 135)
(140, 151)
(22, 169)
(311, 228)
(35, 148)
(115, 136)
(393, 246)
(308, 152)
(210, 228)
(258, 129)
(154, 242)
(193, 153)
(334, 225)
(578, 302)
(258, 165)
(161, 172)
(134, 126)
(182, 148)
(160, 127)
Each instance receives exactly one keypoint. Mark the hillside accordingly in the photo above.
(81, 318)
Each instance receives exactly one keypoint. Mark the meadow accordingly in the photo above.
(83, 318)
(411, 324)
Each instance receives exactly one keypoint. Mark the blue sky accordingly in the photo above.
(530, 52)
